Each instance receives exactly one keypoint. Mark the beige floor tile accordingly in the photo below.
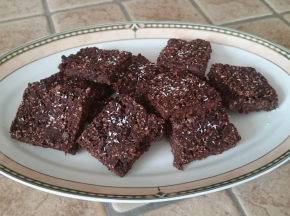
(15, 33)
(272, 29)
(287, 17)
(225, 11)
(122, 207)
(218, 203)
(55, 5)
(91, 16)
(279, 6)
(20, 8)
(17, 199)
(181, 10)
(267, 195)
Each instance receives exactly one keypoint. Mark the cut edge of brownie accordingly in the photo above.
(97, 108)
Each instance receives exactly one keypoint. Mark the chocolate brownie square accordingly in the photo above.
(96, 65)
(99, 92)
(140, 70)
(190, 56)
(177, 94)
(120, 134)
(51, 117)
(199, 136)
(242, 89)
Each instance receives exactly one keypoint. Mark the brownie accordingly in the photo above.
(51, 117)
(177, 94)
(140, 70)
(199, 136)
(95, 65)
(190, 56)
(98, 91)
(242, 89)
(120, 134)
(97, 108)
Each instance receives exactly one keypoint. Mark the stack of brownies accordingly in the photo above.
(172, 96)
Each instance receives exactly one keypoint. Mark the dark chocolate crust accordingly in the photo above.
(121, 133)
(99, 91)
(51, 117)
(178, 94)
(199, 136)
(96, 65)
(140, 70)
(97, 108)
(242, 89)
(191, 56)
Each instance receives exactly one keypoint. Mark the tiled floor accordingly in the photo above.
(89, 16)
(24, 20)
(268, 195)
(221, 11)
(163, 10)
(18, 8)
(272, 29)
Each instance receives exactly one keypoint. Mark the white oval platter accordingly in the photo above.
(265, 141)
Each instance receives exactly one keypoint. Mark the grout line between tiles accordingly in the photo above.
(201, 11)
(283, 19)
(278, 15)
(124, 0)
(137, 211)
(21, 18)
(268, 6)
(287, 12)
(123, 8)
(248, 20)
(151, 206)
(48, 15)
(83, 7)
(236, 202)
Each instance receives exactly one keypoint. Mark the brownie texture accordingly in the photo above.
(51, 117)
(199, 136)
(242, 89)
(190, 56)
(99, 92)
(97, 108)
(177, 94)
(96, 65)
(121, 133)
(141, 70)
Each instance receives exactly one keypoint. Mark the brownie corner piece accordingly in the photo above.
(96, 65)
(191, 56)
(51, 117)
(120, 134)
(199, 136)
(242, 89)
